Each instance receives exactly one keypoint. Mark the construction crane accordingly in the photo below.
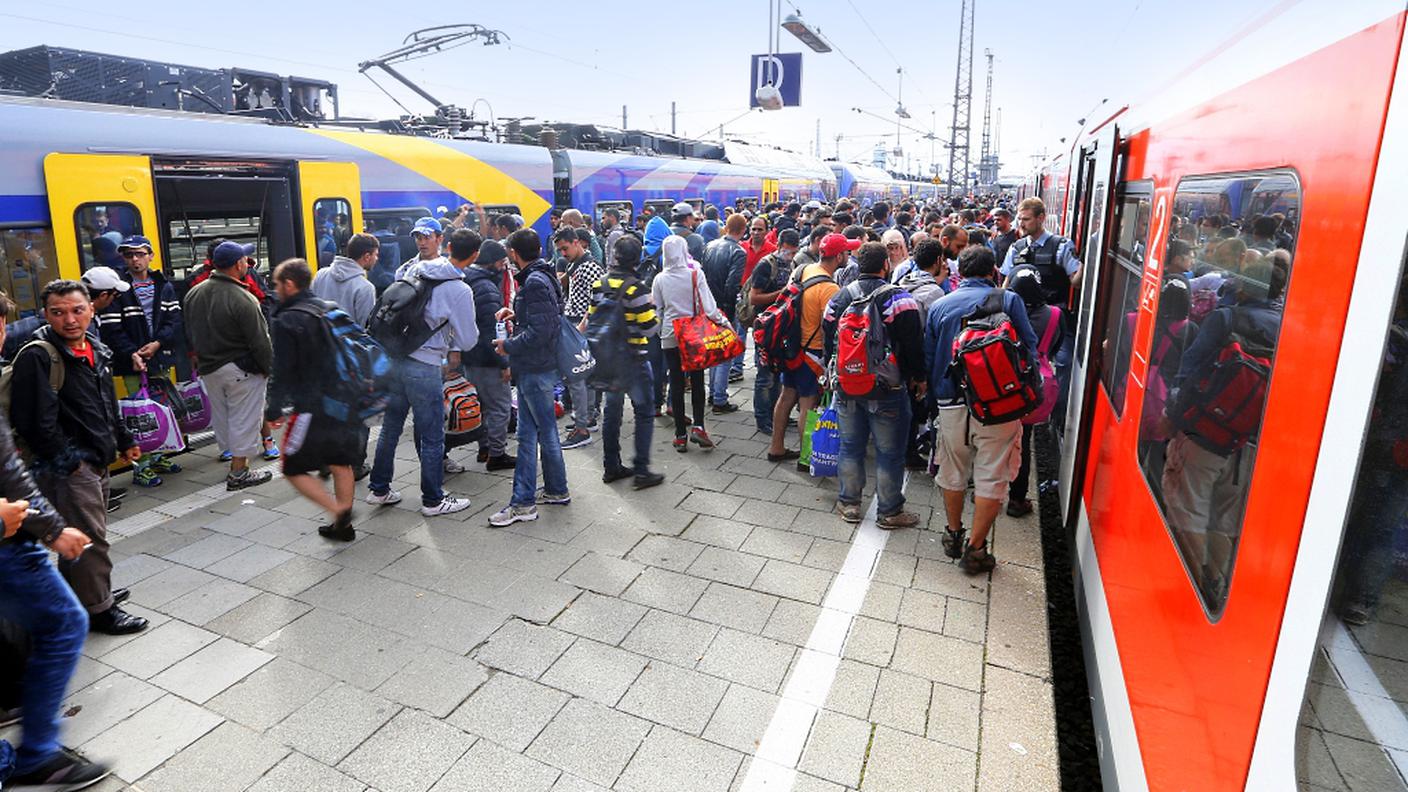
(958, 154)
(987, 162)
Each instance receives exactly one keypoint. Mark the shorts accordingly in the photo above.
(313, 442)
(803, 380)
(989, 455)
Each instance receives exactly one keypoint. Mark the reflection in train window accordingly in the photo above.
(190, 241)
(625, 213)
(333, 218)
(1214, 349)
(660, 207)
(30, 263)
(1353, 731)
(1125, 265)
(100, 228)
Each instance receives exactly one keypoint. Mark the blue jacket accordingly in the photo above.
(1264, 317)
(945, 320)
(123, 325)
(488, 299)
(537, 310)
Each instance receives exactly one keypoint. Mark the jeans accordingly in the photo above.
(415, 388)
(495, 404)
(718, 382)
(644, 409)
(738, 361)
(33, 596)
(660, 373)
(537, 430)
(766, 387)
(583, 404)
(886, 421)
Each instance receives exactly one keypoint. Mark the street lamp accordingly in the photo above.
(806, 33)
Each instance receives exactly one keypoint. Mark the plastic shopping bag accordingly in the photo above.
(808, 426)
(826, 444)
(195, 417)
(152, 424)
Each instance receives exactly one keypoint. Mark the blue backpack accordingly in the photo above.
(358, 365)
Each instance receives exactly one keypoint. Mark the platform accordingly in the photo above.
(724, 631)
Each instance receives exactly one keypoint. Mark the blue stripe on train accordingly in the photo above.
(30, 209)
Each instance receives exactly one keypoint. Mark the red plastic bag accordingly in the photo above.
(704, 343)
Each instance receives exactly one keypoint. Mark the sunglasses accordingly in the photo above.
(128, 254)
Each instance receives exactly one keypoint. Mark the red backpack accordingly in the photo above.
(777, 333)
(999, 383)
(864, 366)
(1224, 407)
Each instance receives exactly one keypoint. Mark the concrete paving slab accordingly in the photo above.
(524, 649)
(512, 711)
(228, 759)
(488, 768)
(669, 761)
(408, 754)
(298, 773)
(211, 670)
(675, 697)
(270, 694)
(595, 671)
(590, 740)
(150, 736)
(334, 723)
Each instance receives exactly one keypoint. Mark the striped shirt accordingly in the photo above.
(641, 319)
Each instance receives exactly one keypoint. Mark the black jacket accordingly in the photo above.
(488, 299)
(537, 310)
(16, 484)
(124, 325)
(301, 358)
(81, 422)
(724, 261)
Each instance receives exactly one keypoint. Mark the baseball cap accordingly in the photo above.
(682, 209)
(836, 244)
(100, 279)
(812, 206)
(427, 225)
(134, 242)
(228, 254)
(491, 252)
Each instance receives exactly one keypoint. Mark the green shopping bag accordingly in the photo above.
(809, 426)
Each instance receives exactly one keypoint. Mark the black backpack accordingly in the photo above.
(398, 321)
(606, 335)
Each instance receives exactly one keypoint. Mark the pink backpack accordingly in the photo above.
(1050, 388)
(1156, 389)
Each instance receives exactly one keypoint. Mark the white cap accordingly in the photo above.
(104, 279)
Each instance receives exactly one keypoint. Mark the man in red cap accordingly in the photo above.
(801, 386)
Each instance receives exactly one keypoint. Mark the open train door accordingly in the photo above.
(330, 201)
(1097, 166)
(95, 200)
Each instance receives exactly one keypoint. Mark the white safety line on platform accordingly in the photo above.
(774, 765)
(1382, 716)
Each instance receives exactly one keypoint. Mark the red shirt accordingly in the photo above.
(754, 256)
(84, 353)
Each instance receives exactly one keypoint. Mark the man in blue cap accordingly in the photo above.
(429, 236)
(228, 332)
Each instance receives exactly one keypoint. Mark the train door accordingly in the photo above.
(94, 201)
(770, 191)
(330, 203)
(1104, 165)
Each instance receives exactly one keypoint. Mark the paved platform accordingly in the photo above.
(724, 631)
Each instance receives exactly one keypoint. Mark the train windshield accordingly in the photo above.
(1353, 731)
(1225, 271)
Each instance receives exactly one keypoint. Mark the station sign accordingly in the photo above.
(783, 70)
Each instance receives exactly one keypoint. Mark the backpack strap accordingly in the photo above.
(56, 361)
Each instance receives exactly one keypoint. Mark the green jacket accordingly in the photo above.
(224, 324)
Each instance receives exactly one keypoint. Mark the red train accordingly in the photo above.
(1241, 571)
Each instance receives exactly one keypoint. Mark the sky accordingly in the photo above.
(1054, 61)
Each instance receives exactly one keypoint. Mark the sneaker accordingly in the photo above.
(452, 467)
(850, 512)
(681, 444)
(384, 499)
(616, 474)
(953, 542)
(117, 493)
(226, 456)
(725, 408)
(594, 426)
(271, 449)
(482, 456)
(113, 505)
(341, 529)
(164, 465)
(699, 437)
(561, 499)
(576, 438)
(648, 480)
(735, 376)
(900, 519)
(977, 560)
(146, 477)
(501, 462)
(66, 772)
(447, 505)
(1019, 508)
(247, 478)
(509, 515)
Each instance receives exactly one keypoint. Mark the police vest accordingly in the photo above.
(1055, 283)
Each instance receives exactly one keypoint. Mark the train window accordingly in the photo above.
(660, 207)
(30, 263)
(1214, 350)
(334, 220)
(1125, 266)
(625, 213)
(100, 228)
(1353, 729)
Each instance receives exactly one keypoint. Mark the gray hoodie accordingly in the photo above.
(345, 283)
(675, 287)
(451, 303)
(923, 287)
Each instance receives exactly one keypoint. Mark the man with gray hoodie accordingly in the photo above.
(345, 282)
(416, 379)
